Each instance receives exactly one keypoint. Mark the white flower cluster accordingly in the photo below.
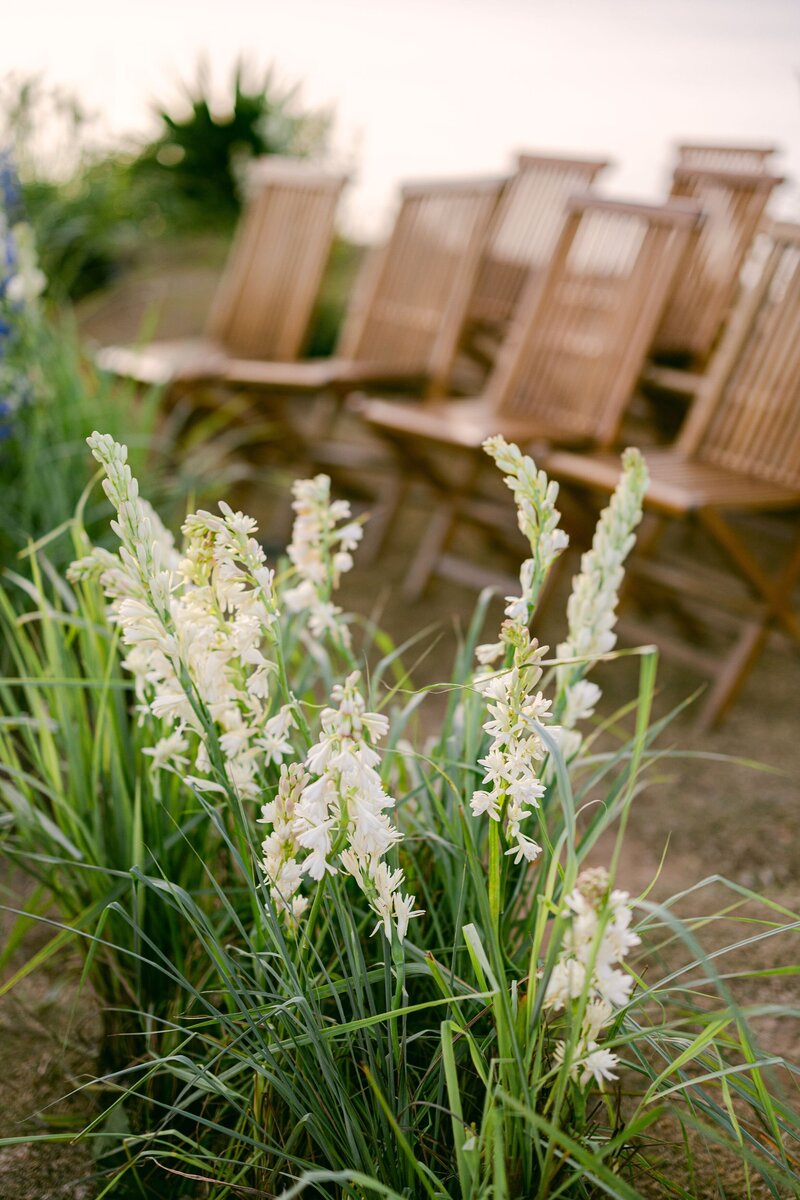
(280, 847)
(320, 552)
(333, 812)
(147, 559)
(518, 765)
(517, 749)
(195, 628)
(198, 629)
(514, 763)
(597, 939)
(592, 606)
(537, 516)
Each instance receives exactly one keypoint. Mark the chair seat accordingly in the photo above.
(161, 363)
(670, 379)
(677, 485)
(314, 375)
(465, 423)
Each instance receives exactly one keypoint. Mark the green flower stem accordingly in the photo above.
(399, 967)
(495, 877)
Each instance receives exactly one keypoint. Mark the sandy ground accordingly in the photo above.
(706, 814)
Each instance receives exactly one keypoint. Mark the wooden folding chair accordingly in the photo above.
(411, 312)
(268, 288)
(520, 242)
(725, 157)
(408, 307)
(734, 204)
(739, 453)
(566, 372)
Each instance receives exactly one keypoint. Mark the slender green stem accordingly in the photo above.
(399, 967)
(495, 876)
(316, 904)
(302, 723)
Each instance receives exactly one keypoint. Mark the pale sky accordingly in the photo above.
(438, 87)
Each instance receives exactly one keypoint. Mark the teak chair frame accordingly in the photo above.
(734, 203)
(266, 294)
(727, 156)
(405, 318)
(520, 242)
(554, 307)
(738, 453)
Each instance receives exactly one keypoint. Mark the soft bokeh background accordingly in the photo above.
(450, 86)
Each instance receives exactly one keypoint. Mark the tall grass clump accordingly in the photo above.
(414, 969)
(90, 811)
(82, 816)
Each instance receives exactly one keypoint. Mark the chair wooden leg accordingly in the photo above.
(732, 675)
(430, 549)
(776, 592)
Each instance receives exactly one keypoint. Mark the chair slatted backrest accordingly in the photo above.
(726, 157)
(264, 301)
(734, 204)
(747, 419)
(524, 231)
(574, 356)
(409, 306)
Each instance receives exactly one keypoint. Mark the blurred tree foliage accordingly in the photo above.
(95, 208)
(76, 193)
(199, 155)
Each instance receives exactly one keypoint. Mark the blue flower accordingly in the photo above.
(10, 189)
(6, 425)
(8, 258)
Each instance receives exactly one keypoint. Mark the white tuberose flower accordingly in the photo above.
(198, 629)
(592, 606)
(343, 805)
(597, 939)
(320, 552)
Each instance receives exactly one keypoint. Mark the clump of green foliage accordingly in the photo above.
(200, 152)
